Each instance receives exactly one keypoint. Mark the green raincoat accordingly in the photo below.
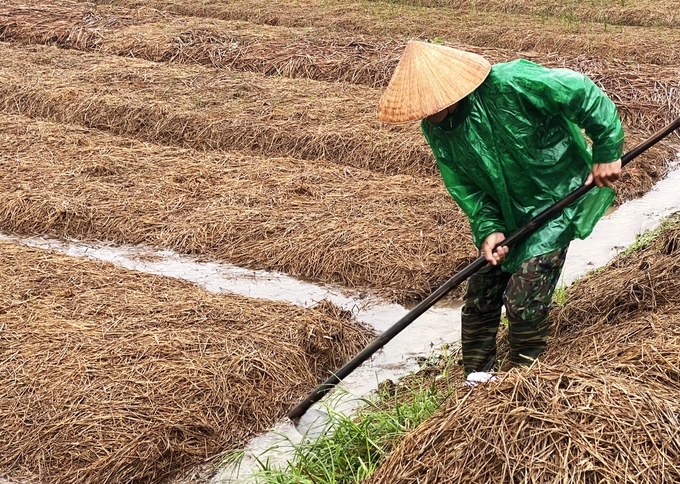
(514, 147)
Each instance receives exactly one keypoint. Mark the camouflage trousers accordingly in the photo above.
(526, 294)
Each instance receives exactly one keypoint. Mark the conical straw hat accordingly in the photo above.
(429, 78)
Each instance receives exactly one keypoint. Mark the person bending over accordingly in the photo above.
(509, 143)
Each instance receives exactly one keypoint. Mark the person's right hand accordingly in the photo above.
(494, 258)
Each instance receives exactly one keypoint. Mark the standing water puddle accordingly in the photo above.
(437, 326)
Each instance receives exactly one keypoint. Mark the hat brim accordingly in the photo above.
(428, 79)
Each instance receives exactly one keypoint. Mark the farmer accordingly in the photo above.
(508, 143)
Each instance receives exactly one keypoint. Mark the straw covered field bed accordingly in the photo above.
(217, 85)
(245, 132)
(314, 220)
(115, 376)
(649, 13)
(378, 229)
(601, 406)
(591, 30)
(304, 52)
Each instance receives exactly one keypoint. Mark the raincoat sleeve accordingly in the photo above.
(481, 209)
(579, 100)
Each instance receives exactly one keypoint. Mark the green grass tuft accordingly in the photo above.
(352, 450)
(642, 241)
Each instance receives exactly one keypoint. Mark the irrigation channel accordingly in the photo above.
(438, 326)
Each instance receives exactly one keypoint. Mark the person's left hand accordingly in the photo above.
(604, 174)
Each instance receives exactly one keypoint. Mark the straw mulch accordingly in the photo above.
(647, 13)
(116, 376)
(199, 107)
(551, 424)
(399, 236)
(277, 51)
(61, 22)
(192, 105)
(512, 31)
(647, 94)
(625, 317)
(628, 288)
(638, 177)
(644, 348)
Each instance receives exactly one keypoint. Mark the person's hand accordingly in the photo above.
(604, 174)
(494, 258)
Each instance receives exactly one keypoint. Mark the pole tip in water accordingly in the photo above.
(313, 423)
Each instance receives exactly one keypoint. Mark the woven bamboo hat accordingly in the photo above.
(429, 78)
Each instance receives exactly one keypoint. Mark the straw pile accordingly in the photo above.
(644, 348)
(191, 105)
(399, 236)
(551, 424)
(642, 173)
(601, 405)
(116, 376)
(237, 45)
(641, 283)
(60, 22)
(625, 318)
(202, 108)
(510, 31)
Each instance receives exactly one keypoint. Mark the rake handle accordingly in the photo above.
(461, 276)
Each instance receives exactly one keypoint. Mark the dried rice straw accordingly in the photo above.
(515, 32)
(399, 236)
(646, 91)
(115, 376)
(548, 424)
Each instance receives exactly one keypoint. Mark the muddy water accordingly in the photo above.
(399, 357)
